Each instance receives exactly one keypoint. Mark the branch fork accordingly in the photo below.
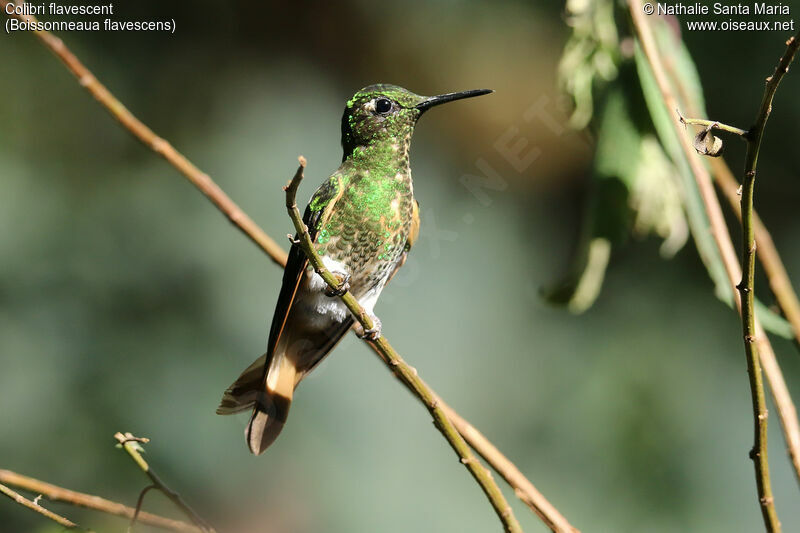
(133, 445)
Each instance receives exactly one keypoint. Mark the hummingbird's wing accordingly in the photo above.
(242, 394)
(267, 385)
(414, 233)
(317, 213)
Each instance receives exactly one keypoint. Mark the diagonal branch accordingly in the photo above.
(499, 462)
(33, 506)
(198, 178)
(523, 488)
(79, 499)
(132, 445)
(399, 367)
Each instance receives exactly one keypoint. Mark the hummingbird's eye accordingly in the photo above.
(383, 105)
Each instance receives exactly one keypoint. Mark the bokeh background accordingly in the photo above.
(128, 303)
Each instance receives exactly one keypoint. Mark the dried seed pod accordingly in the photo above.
(706, 143)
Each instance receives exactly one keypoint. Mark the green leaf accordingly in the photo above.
(693, 203)
(591, 55)
(773, 322)
(633, 188)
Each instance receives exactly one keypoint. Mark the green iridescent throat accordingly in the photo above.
(374, 177)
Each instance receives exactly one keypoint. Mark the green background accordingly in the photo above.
(128, 303)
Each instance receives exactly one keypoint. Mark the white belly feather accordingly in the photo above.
(329, 309)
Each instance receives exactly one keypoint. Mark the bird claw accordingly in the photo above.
(344, 285)
(371, 334)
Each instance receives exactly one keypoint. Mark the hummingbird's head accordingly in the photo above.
(388, 113)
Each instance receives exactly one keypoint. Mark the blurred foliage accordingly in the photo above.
(128, 303)
(635, 187)
(591, 55)
(641, 185)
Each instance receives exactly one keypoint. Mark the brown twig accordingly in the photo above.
(756, 342)
(79, 499)
(747, 285)
(139, 503)
(711, 125)
(777, 278)
(781, 287)
(521, 485)
(768, 255)
(132, 445)
(399, 367)
(198, 178)
(523, 488)
(34, 506)
(755, 231)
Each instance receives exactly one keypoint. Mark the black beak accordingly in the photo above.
(449, 97)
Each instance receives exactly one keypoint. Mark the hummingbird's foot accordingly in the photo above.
(344, 284)
(371, 334)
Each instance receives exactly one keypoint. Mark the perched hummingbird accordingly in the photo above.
(363, 220)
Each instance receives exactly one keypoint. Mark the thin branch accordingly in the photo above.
(781, 287)
(759, 452)
(711, 125)
(757, 344)
(79, 499)
(777, 276)
(779, 283)
(521, 485)
(523, 488)
(746, 287)
(399, 367)
(34, 506)
(132, 445)
(198, 178)
(139, 503)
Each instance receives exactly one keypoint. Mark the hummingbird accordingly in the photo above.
(363, 220)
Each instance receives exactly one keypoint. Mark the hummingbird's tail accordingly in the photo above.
(269, 398)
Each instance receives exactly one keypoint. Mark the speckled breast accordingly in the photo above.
(369, 232)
